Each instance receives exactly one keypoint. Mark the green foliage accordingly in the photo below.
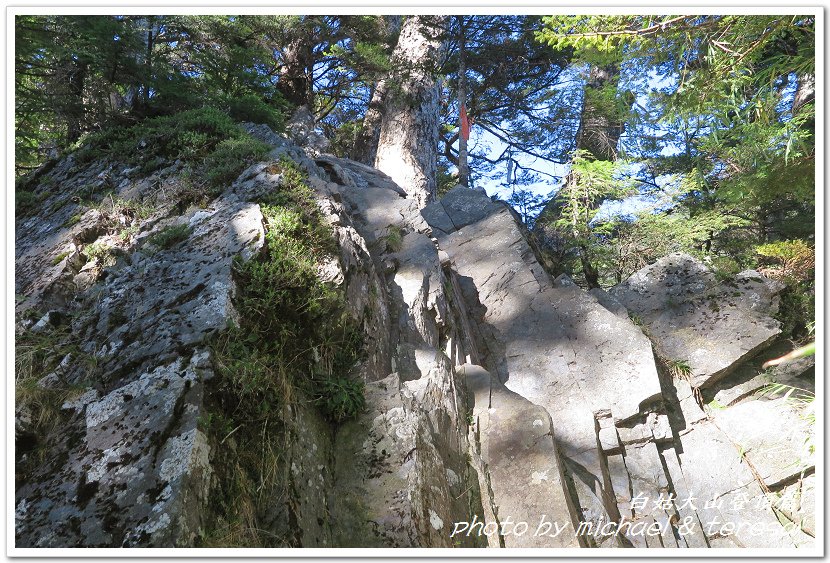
(59, 258)
(77, 74)
(36, 355)
(590, 182)
(736, 114)
(679, 369)
(515, 89)
(170, 236)
(341, 398)
(252, 108)
(98, 250)
(608, 102)
(295, 344)
(292, 322)
(446, 180)
(231, 157)
(577, 204)
(206, 137)
(793, 260)
(188, 135)
(73, 220)
(343, 137)
(25, 203)
(797, 311)
(394, 240)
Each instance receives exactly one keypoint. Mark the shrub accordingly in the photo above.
(792, 260)
(206, 137)
(725, 268)
(394, 240)
(25, 202)
(341, 397)
(96, 250)
(231, 157)
(679, 369)
(186, 135)
(254, 109)
(170, 236)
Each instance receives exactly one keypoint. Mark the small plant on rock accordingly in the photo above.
(170, 236)
(394, 240)
(679, 369)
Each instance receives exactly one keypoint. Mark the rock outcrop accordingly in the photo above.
(696, 320)
(503, 408)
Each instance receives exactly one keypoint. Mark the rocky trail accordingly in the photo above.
(495, 394)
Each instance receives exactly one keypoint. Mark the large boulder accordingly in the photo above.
(698, 322)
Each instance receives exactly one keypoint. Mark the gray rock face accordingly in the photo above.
(129, 471)
(495, 395)
(301, 130)
(562, 350)
(631, 443)
(692, 318)
(517, 453)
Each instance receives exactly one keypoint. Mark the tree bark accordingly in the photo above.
(75, 111)
(296, 80)
(365, 149)
(598, 132)
(463, 162)
(408, 141)
(805, 92)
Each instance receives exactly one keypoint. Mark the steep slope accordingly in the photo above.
(493, 394)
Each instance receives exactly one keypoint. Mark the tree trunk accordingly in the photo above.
(365, 149)
(805, 92)
(588, 269)
(599, 133)
(296, 80)
(463, 163)
(408, 142)
(148, 60)
(75, 112)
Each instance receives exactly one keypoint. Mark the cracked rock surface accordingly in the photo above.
(494, 392)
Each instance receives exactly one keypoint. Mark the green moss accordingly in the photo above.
(59, 258)
(170, 236)
(296, 344)
(73, 220)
